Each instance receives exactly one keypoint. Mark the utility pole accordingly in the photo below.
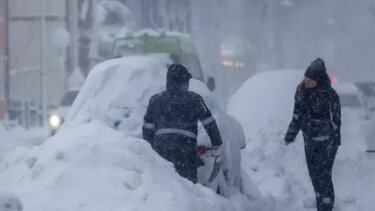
(6, 60)
(72, 26)
(42, 60)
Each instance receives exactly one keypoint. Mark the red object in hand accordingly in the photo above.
(201, 150)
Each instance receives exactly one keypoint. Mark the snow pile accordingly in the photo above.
(117, 92)
(93, 167)
(264, 107)
(95, 162)
(10, 138)
(258, 96)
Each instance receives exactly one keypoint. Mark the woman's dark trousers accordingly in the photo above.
(320, 156)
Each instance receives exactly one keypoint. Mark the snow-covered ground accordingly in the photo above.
(264, 107)
(95, 164)
(13, 137)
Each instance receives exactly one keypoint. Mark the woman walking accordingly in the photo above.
(317, 113)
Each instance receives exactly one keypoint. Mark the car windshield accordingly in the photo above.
(69, 98)
(350, 101)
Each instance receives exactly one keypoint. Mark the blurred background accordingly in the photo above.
(47, 47)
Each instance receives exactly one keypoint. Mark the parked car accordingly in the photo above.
(57, 116)
(367, 90)
(351, 98)
(230, 178)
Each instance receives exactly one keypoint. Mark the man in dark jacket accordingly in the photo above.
(317, 113)
(171, 123)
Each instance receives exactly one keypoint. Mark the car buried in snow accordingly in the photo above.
(117, 93)
(350, 97)
(367, 89)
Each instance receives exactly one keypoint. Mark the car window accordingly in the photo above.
(368, 89)
(69, 98)
(350, 101)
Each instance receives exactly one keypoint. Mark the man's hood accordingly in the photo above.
(177, 78)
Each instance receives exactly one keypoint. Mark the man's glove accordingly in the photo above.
(217, 153)
(218, 156)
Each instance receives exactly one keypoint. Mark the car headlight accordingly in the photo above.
(55, 121)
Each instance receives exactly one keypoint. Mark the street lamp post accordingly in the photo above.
(42, 60)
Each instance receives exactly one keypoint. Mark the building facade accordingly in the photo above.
(41, 43)
(34, 51)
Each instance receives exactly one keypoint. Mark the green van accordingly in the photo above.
(178, 47)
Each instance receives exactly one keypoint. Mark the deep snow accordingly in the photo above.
(91, 166)
(264, 106)
(95, 162)
(117, 93)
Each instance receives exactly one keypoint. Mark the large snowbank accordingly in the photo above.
(264, 97)
(92, 167)
(95, 162)
(117, 92)
(264, 107)
(11, 138)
